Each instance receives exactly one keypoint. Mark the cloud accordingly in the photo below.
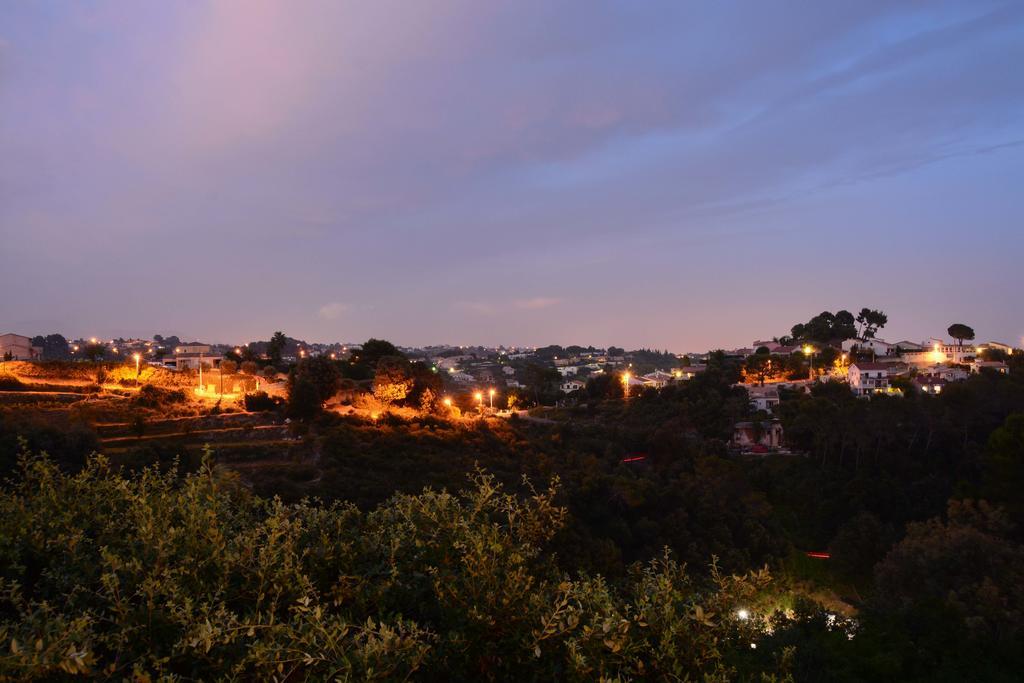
(537, 303)
(332, 311)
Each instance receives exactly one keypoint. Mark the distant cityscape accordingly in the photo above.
(868, 364)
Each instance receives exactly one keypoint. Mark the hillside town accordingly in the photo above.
(831, 349)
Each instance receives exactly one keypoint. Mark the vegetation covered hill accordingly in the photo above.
(414, 543)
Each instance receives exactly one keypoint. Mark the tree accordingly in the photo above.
(94, 351)
(375, 349)
(249, 367)
(870, 322)
(392, 380)
(860, 543)
(227, 367)
(823, 328)
(758, 366)
(542, 382)
(844, 326)
(55, 346)
(304, 399)
(968, 563)
(321, 373)
(960, 332)
(1003, 466)
(428, 401)
(275, 347)
(604, 386)
(424, 379)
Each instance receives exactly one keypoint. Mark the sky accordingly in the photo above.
(680, 175)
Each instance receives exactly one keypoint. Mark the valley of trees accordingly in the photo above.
(617, 539)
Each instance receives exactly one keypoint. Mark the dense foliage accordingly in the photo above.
(118, 577)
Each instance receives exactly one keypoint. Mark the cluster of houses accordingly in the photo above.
(929, 366)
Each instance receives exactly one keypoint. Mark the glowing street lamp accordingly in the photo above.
(447, 402)
(491, 393)
(809, 352)
(742, 614)
(137, 357)
(479, 396)
(626, 376)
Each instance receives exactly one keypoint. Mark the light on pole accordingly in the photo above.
(809, 352)
(491, 394)
(137, 357)
(625, 383)
(479, 396)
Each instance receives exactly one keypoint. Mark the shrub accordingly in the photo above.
(260, 401)
(150, 396)
(167, 577)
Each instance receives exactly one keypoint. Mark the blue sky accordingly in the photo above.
(675, 175)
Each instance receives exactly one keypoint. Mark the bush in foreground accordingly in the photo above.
(107, 575)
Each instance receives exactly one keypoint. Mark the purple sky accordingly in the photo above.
(680, 175)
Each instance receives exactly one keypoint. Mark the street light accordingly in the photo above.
(479, 396)
(447, 402)
(626, 376)
(137, 357)
(809, 352)
(491, 393)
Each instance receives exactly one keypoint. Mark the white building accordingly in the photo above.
(688, 372)
(765, 435)
(930, 384)
(658, 378)
(191, 356)
(907, 345)
(763, 398)
(993, 365)
(570, 385)
(880, 347)
(451, 362)
(18, 347)
(939, 352)
(997, 346)
(870, 378)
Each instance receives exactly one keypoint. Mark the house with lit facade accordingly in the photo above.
(938, 352)
(871, 378)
